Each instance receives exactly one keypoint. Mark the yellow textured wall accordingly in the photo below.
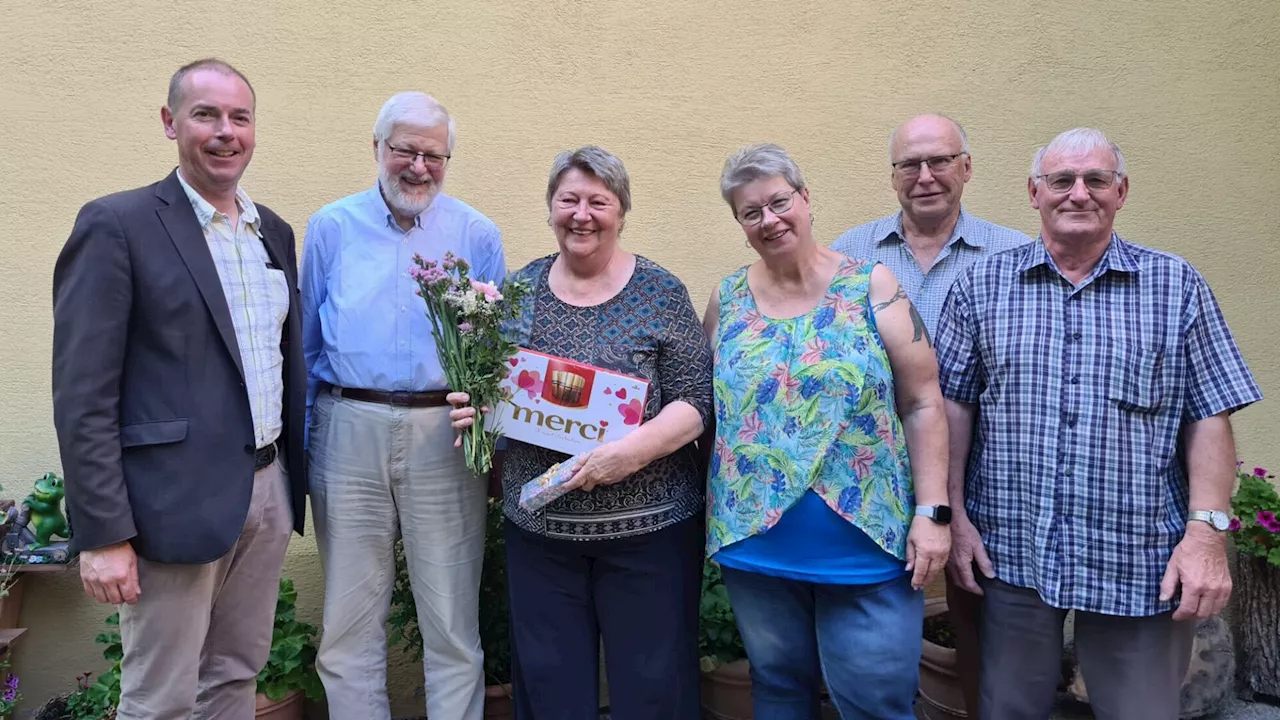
(1190, 90)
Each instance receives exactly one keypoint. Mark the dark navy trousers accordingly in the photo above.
(639, 595)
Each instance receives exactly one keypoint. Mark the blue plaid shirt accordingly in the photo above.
(1075, 480)
(883, 241)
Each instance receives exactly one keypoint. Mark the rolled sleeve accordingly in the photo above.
(1218, 380)
(959, 364)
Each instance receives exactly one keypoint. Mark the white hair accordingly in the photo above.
(754, 162)
(1077, 140)
(964, 136)
(413, 109)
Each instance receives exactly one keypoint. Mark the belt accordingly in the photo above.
(265, 456)
(404, 398)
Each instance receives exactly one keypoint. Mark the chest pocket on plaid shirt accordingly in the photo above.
(1134, 379)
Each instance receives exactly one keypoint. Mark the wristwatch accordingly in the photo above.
(1217, 519)
(940, 514)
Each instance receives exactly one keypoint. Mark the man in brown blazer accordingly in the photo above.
(179, 396)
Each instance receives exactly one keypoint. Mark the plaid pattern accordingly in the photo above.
(882, 241)
(1074, 480)
(258, 298)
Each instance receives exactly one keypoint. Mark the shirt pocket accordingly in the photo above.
(1133, 382)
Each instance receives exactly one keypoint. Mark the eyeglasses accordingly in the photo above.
(1094, 180)
(937, 163)
(410, 156)
(752, 215)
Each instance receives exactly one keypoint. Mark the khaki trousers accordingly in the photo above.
(199, 634)
(379, 471)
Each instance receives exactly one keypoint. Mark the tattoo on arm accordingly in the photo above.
(900, 295)
(917, 322)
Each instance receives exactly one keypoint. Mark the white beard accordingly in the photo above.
(402, 202)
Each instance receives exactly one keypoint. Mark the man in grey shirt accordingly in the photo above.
(928, 244)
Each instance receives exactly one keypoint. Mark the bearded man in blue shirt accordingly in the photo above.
(1089, 384)
(380, 442)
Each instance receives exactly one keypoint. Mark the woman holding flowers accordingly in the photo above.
(829, 428)
(618, 558)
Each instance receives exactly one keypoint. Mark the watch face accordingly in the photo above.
(1220, 520)
(942, 514)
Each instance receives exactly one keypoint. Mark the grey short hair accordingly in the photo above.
(1077, 140)
(754, 162)
(414, 109)
(600, 163)
(174, 98)
(964, 136)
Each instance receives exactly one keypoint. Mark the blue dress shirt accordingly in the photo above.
(363, 324)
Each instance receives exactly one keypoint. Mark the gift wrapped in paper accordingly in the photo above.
(547, 487)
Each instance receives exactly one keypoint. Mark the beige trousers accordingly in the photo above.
(199, 634)
(378, 472)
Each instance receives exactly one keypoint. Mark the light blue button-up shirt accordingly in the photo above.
(884, 241)
(363, 325)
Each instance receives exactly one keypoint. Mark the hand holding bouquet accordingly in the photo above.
(466, 319)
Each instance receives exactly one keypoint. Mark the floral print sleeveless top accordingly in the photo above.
(806, 403)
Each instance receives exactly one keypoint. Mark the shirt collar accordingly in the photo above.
(205, 211)
(1118, 257)
(891, 230)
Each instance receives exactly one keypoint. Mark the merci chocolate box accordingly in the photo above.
(566, 405)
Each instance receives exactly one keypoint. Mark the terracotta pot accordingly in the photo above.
(726, 691)
(497, 702)
(287, 708)
(939, 683)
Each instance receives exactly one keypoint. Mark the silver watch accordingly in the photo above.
(1217, 519)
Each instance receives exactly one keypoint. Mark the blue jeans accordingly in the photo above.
(863, 639)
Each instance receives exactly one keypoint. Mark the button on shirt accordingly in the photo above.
(363, 325)
(258, 298)
(884, 241)
(1075, 481)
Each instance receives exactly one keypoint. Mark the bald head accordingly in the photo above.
(929, 126)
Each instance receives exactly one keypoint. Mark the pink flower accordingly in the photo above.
(464, 327)
(1259, 472)
(1234, 526)
(489, 290)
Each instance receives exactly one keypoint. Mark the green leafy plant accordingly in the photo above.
(9, 695)
(1255, 529)
(495, 620)
(97, 699)
(292, 662)
(718, 638)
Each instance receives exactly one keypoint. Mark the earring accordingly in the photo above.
(746, 243)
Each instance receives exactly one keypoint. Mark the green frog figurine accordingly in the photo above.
(45, 506)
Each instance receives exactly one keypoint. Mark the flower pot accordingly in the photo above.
(726, 691)
(497, 702)
(939, 682)
(288, 707)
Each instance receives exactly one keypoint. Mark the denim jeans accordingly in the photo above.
(864, 640)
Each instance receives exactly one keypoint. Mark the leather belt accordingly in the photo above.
(402, 398)
(265, 456)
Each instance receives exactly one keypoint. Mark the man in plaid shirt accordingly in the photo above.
(1089, 385)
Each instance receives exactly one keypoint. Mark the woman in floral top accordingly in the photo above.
(618, 559)
(829, 427)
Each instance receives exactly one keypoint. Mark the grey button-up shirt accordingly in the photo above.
(884, 241)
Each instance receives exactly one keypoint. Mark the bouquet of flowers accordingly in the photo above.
(1256, 505)
(466, 319)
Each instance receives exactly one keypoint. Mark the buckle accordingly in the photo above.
(400, 397)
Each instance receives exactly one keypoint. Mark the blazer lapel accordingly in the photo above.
(179, 220)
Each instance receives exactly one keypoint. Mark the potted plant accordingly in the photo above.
(1255, 532)
(93, 699)
(726, 676)
(290, 672)
(939, 681)
(495, 621)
